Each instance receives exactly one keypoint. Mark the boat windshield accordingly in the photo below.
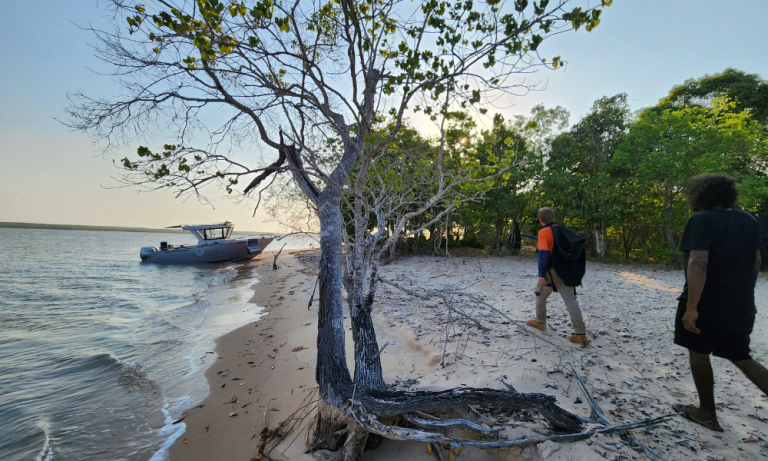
(214, 234)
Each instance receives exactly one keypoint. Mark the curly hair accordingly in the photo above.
(711, 190)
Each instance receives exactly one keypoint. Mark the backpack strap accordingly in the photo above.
(552, 280)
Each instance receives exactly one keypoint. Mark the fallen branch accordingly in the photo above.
(462, 423)
(506, 384)
(447, 335)
(474, 410)
(598, 415)
(309, 306)
(429, 294)
(380, 351)
(371, 424)
(384, 403)
(274, 262)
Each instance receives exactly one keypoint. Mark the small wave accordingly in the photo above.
(46, 453)
(175, 431)
(193, 368)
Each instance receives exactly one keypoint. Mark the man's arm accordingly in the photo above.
(545, 245)
(697, 276)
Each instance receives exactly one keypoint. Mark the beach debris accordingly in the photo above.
(454, 453)
(380, 351)
(605, 446)
(186, 440)
(298, 348)
(206, 428)
(274, 262)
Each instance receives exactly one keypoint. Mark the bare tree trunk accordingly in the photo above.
(599, 234)
(499, 233)
(332, 374)
(516, 245)
(668, 234)
(368, 373)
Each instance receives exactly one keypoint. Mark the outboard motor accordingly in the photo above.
(147, 252)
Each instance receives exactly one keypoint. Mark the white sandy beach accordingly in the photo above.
(632, 369)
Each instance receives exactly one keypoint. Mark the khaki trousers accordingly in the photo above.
(569, 297)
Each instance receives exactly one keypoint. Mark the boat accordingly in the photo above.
(214, 245)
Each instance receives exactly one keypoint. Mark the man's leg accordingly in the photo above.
(577, 318)
(755, 372)
(704, 378)
(541, 306)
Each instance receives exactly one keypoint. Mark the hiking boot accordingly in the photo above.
(579, 339)
(537, 324)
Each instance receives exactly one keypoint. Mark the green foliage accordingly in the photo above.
(749, 90)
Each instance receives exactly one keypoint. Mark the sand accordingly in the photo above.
(632, 368)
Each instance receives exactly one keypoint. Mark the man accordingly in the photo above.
(549, 281)
(716, 311)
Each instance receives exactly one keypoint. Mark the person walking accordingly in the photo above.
(550, 281)
(716, 311)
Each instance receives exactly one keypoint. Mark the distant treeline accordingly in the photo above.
(26, 225)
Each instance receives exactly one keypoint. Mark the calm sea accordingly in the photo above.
(100, 354)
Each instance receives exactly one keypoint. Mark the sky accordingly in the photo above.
(50, 174)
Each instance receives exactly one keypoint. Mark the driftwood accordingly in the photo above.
(371, 424)
(274, 262)
(395, 403)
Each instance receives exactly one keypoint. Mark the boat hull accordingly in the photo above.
(232, 250)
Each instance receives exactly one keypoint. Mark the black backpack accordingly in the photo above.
(569, 255)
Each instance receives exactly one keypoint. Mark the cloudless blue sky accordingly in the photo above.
(50, 174)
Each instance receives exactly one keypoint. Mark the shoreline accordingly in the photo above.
(632, 369)
(253, 361)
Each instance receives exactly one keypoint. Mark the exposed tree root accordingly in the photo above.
(394, 403)
(371, 424)
(271, 437)
(376, 412)
(447, 423)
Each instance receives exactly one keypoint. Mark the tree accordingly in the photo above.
(296, 78)
(748, 89)
(665, 148)
(578, 169)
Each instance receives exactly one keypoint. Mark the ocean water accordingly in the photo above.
(99, 353)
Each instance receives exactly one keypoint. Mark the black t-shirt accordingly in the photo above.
(732, 237)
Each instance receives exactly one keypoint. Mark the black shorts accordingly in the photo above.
(726, 339)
